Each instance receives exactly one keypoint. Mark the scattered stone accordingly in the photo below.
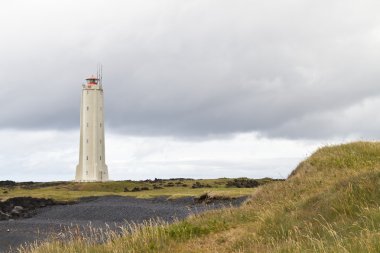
(22, 207)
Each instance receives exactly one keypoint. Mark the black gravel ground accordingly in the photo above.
(113, 210)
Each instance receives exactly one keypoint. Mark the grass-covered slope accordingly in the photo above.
(330, 203)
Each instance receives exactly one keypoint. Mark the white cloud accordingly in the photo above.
(52, 156)
(189, 68)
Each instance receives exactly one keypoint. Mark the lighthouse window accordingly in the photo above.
(100, 157)
(100, 141)
(88, 108)
(100, 124)
(87, 124)
(86, 140)
(86, 172)
(87, 158)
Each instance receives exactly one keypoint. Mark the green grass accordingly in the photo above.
(330, 203)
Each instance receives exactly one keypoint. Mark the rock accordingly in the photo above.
(17, 210)
(4, 216)
(207, 198)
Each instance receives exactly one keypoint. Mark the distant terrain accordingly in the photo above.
(173, 188)
(329, 203)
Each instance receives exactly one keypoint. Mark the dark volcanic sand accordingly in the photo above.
(113, 210)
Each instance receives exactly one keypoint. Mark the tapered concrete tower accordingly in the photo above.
(92, 166)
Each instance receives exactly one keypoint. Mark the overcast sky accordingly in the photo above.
(193, 88)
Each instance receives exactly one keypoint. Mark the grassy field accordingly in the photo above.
(174, 188)
(330, 203)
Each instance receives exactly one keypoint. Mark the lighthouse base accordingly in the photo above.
(96, 174)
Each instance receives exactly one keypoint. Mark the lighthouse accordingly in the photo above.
(92, 161)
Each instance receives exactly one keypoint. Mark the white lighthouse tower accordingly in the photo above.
(92, 165)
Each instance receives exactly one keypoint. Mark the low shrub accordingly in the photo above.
(7, 183)
(139, 189)
(199, 185)
(243, 183)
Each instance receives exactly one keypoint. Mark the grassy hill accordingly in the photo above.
(330, 203)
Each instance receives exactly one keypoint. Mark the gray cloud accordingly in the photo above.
(193, 68)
